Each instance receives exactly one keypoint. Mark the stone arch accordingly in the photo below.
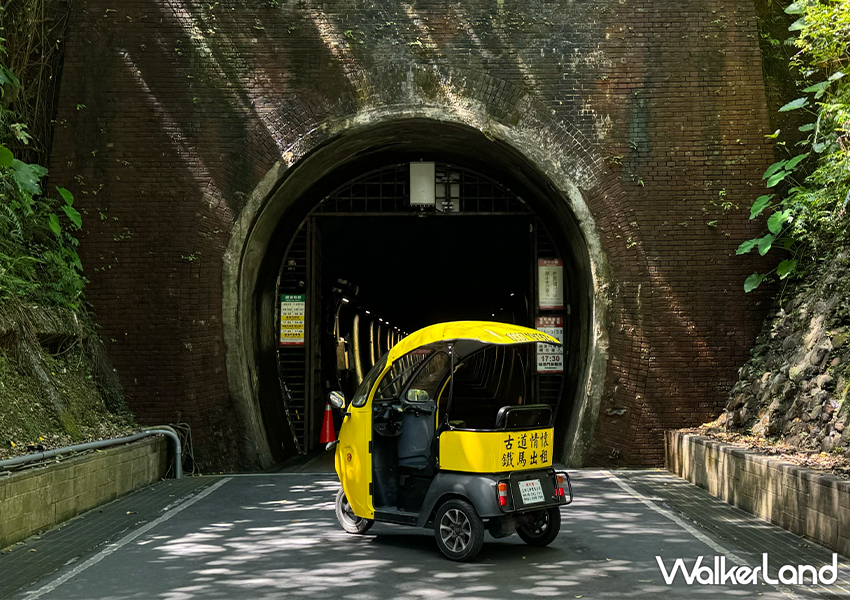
(552, 161)
(285, 184)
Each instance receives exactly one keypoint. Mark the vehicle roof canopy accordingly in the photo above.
(469, 337)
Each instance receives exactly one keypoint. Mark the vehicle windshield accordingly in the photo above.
(393, 382)
(426, 385)
(362, 393)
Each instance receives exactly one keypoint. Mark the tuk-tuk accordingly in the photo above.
(437, 436)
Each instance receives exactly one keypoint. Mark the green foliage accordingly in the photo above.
(807, 214)
(7, 77)
(795, 104)
(6, 157)
(38, 254)
(753, 281)
(761, 203)
(825, 33)
(785, 268)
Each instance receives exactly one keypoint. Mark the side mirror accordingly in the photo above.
(336, 399)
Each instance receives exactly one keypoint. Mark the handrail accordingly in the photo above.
(158, 430)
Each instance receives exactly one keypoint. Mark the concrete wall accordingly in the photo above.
(39, 498)
(171, 113)
(801, 500)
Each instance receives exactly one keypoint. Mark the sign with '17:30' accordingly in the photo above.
(550, 358)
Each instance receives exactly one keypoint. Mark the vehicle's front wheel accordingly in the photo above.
(459, 530)
(542, 528)
(346, 517)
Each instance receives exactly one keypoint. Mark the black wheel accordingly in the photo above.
(459, 530)
(542, 528)
(349, 521)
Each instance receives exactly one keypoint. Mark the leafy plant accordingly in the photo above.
(38, 250)
(806, 208)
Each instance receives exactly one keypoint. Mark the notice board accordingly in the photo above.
(292, 319)
(550, 359)
(550, 283)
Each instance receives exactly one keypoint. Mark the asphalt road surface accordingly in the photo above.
(276, 536)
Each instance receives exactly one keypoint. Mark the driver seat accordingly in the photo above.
(414, 444)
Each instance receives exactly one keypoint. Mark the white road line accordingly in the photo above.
(719, 548)
(46, 589)
(282, 474)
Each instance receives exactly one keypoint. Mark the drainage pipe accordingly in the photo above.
(159, 430)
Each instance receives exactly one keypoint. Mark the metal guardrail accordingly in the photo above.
(159, 430)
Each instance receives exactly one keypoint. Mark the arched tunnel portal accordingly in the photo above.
(340, 224)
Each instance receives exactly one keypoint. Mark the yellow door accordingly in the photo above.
(353, 460)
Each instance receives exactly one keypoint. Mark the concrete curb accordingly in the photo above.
(798, 499)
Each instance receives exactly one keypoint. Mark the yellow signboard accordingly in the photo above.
(496, 451)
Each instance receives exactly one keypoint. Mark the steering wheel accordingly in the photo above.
(388, 417)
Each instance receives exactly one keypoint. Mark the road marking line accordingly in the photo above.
(720, 549)
(46, 589)
(282, 474)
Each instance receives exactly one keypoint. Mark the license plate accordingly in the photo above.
(530, 491)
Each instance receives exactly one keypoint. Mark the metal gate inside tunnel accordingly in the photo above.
(373, 262)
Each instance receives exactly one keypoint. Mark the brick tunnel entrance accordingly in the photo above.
(349, 243)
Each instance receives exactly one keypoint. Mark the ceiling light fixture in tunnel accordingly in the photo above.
(423, 187)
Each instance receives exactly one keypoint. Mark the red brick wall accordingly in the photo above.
(686, 99)
(171, 112)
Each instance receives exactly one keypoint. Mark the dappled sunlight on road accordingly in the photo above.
(283, 539)
(275, 536)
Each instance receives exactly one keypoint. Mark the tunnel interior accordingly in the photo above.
(417, 271)
(355, 263)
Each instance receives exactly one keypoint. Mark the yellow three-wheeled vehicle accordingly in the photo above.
(436, 436)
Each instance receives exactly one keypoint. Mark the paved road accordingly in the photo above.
(276, 536)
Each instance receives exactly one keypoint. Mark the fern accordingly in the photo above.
(11, 222)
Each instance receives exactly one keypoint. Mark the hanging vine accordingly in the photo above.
(32, 33)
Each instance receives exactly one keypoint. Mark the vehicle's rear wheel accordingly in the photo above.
(459, 530)
(346, 517)
(542, 528)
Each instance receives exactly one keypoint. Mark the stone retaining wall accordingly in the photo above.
(39, 498)
(801, 500)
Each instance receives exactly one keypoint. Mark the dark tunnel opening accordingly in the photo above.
(418, 271)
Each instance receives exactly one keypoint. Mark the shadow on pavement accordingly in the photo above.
(276, 536)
